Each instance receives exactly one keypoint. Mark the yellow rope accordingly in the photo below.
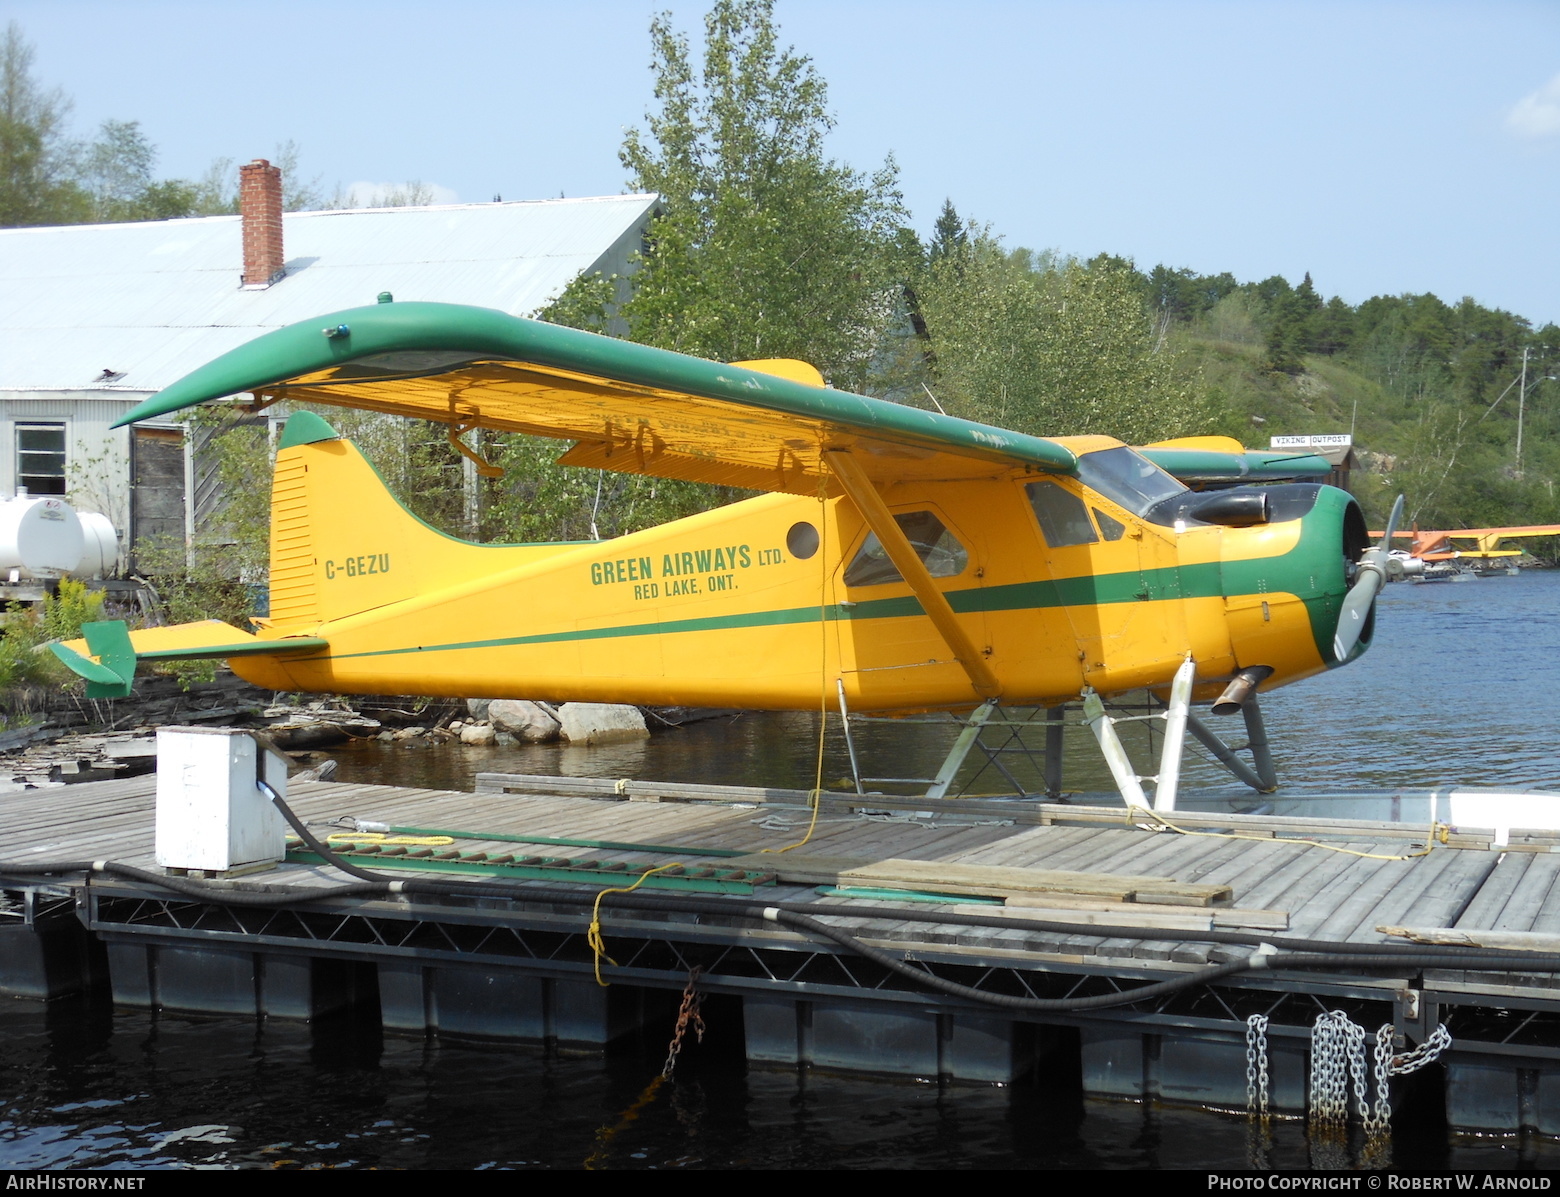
(815, 797)
(593, 936)
(604, 1136)
(1438, 832)
(378, 837)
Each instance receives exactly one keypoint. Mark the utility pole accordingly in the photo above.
(1521, 408)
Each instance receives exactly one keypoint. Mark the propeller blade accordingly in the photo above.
(1392, 523)
(1368, 580)
(1356, 607)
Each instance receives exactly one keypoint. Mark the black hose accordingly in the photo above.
(183, 885)
(309, 838)
(1255, 962)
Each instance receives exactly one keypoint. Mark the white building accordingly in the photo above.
(96, 318)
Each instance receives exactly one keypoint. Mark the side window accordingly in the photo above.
(1063, 517)
(40, 458)
(938, 549)
(1110, 527)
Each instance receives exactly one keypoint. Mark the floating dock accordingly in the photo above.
(1021, 885)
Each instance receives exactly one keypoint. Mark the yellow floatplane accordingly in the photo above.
(904, 559)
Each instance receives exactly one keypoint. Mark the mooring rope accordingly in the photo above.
(1438, 833)
(815, 796)
(593, 936)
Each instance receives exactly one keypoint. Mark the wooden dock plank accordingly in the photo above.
(1311, 871)
(1547, 917)
(1440, 882)
(1486, 906)
(1440, 903)
(1521, 910)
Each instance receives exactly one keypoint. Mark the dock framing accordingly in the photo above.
(1021, 884)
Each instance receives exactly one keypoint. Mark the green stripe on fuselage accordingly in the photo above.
(1187, 581)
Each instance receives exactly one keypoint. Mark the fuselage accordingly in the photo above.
(1062, 582)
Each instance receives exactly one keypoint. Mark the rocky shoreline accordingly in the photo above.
(59, 738)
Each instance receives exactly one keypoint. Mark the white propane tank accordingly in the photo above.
(100, 551)
(39, 537)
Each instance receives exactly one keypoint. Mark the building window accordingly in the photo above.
(40, 458)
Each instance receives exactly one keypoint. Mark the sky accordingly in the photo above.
(1384, 148)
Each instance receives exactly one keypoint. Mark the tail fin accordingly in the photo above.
(342, 544)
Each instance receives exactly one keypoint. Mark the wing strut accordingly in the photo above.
(861, 491)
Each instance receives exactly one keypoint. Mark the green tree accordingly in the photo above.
(950, 237)
(1051, 348)
(37, 165)
(116, 171)
(216, 191)
(764, 246)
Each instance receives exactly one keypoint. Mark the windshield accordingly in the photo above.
(1127, 477)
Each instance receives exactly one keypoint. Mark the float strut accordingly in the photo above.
(1175, 735)
(1110, 744)
(850, 744)
(1222, 753)
(1261, 753)
(961, 748)
(1054, 724)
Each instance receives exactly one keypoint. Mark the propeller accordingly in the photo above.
(1368, 580)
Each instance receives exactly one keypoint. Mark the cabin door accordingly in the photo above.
(1107, 571)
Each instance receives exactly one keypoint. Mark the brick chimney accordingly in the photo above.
(260, 204)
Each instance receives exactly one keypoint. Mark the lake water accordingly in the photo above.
(1461, 688)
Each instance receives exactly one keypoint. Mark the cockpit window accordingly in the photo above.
(1127, 477)
(1110, 528)
(938, 549)
(1063, 518)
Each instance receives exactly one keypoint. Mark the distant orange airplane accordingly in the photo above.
(1437, 546)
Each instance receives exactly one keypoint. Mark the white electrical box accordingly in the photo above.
(211, 816)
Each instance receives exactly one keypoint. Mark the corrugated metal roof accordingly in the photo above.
(152, 301)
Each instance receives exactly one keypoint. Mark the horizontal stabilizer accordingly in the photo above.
(108, 651)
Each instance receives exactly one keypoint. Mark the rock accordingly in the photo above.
(409, 733)
(457, 725)
(528, 722)
(600, 723)
(477, 733)
(308, 732)
(478, 707)
(324, 771)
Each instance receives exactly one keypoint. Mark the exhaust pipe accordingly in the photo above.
(1241, 688)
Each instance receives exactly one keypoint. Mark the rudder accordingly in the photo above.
(342, 544)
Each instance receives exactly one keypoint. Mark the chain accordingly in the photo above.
(1426, 1053)
(1354, 1036)
(1257, 1066)
(692, 999)
(1381, 1112)
(1338, 1066)
(1329, 1064)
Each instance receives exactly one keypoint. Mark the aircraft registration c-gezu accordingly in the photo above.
(905, 559)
